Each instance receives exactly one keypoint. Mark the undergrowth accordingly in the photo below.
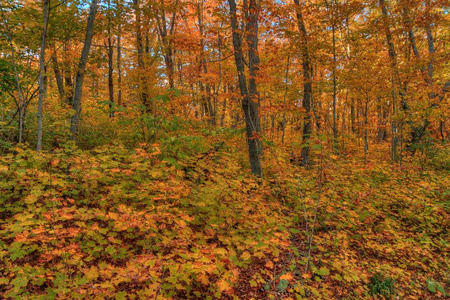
(184, 219)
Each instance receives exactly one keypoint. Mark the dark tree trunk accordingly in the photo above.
(119, 69)
(395, 78)
(417, 132)
(165, 36)
(382, 133)
(140, 59)
(110, 64)
(307, 85)
(68, 89)
(249, 94)
(58, 75)
(76, 102)
(352, 115)
(366, 122)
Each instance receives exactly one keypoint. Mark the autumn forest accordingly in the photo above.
(238, 149)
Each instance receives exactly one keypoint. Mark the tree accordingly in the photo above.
(248, 88)
(307, 82)
(76, 102)
(42, 75)
(21, 103)
(110, 49)
(166, 29)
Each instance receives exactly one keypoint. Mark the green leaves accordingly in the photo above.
(282, 285)
(323, 271)
(434, 286)
(190, 221)
(19, 283)
(17, 251)
(381, 285)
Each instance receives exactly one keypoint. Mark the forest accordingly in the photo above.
(238, 149)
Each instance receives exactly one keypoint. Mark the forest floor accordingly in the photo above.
(160, 223)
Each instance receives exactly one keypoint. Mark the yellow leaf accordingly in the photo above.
(202, 278)
(246, 255)
(92, 273)
(259, 254)
(220, 251)
(30, 199)
(156, 173)
(181, 223)
(223, 285)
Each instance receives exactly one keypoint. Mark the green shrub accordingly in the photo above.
(381, 286)
(441, 157)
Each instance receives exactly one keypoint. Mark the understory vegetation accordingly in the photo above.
(180, 220)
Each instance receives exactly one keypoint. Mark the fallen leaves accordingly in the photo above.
(165, 233)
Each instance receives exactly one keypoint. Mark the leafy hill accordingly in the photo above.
(148, 223)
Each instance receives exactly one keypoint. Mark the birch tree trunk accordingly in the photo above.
(42, 83)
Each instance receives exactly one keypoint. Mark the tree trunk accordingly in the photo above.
(58, 75)
(21, 103)
(140, 59)
(166, 41)
(119, 11)
(417, 132)
(382, 133)
(333, 30)
(110, 64)
(284, 100)
(250, 97)
(430, 52)
(42, 88)
(76, 102)
(67, 76)
(366, 142)
(307, 84)
(352, 115)
(119, 68)
(395, 77)
(335, 136)
(206, 98)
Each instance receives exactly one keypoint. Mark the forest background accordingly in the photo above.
(222, 149)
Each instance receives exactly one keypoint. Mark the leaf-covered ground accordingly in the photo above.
(124, 224)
